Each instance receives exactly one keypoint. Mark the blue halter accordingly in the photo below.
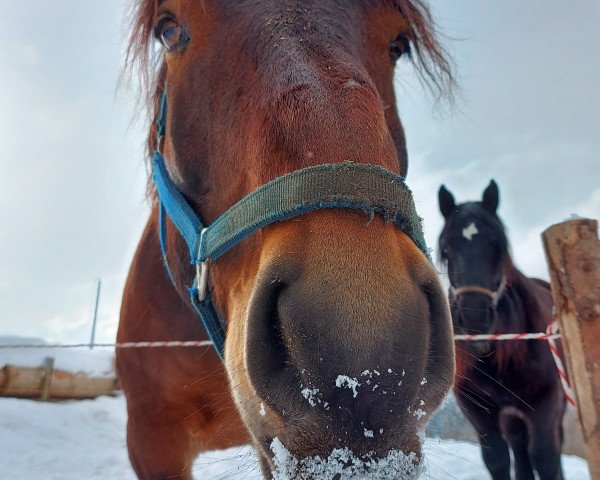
(369, 188)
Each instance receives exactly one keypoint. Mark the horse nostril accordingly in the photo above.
(268, 360)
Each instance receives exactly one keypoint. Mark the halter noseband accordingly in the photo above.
(368, 188)
(494, 295)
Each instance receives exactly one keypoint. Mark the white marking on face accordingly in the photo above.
(470, 231)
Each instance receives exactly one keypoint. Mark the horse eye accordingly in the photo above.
(398, 47)
(171, 34)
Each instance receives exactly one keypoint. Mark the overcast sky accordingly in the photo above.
(72, 183)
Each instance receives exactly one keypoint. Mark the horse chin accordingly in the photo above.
(279, 463)
(319, 444)
(322, 445)
(482, 348)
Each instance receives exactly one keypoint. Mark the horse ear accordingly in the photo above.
(491, 197)
(447, 203)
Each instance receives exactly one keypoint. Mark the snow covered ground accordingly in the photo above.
(86, 439)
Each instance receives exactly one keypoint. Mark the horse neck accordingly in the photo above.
(526, 298)
(523, 311)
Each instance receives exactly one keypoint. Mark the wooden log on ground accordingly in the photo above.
(573, 254)
(27, 382)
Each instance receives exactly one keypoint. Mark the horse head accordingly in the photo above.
(338, 333)
(474, 246)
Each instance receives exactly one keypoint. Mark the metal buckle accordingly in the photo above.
(160, 143)
(202, 280)
(202, 271)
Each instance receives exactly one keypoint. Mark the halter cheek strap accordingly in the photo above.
(369, 188)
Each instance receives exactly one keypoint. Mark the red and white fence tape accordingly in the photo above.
(509, 336)
(569, 394)
(203, 343)
(550, 335)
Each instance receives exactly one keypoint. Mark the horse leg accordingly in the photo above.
(496, 456)
(545, 450)
(518, 438)
(178, 399)
(159, 451)
(168, 428)
(546, 435)
(494, 448)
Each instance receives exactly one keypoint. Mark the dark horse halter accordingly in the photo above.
(494, 295)
(369, 188)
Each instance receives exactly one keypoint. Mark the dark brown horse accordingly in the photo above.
(510, 391)
(337, 328)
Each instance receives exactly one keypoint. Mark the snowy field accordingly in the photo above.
(86, 439)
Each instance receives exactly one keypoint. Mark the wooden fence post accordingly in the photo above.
(573, 254)
(47, 370)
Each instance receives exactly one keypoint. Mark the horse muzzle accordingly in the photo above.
(342, 352)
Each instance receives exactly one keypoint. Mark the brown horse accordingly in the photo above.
(509, 391)
(338, 330)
